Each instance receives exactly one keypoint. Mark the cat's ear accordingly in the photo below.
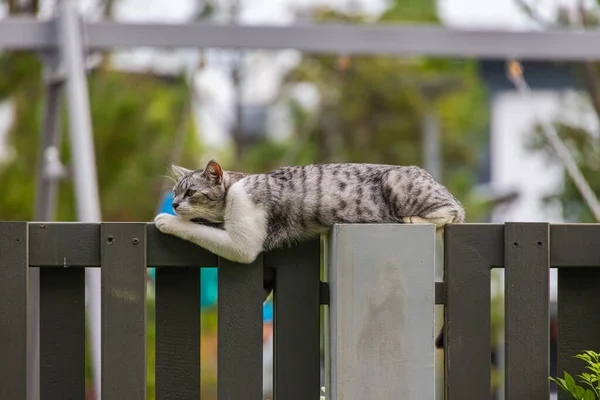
(179, 172)
(214, 172)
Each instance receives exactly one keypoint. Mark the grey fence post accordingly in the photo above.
(382, 312)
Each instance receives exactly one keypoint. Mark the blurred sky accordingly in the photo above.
(493, 13)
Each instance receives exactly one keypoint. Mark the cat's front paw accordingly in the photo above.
(166, 223)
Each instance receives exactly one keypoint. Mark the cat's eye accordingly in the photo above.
(190, 192)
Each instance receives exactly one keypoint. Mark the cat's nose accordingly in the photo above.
(175, 205)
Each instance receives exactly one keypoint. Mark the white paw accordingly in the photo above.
(166, 223)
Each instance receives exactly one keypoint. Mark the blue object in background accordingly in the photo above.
(268, 311)
(208, 276)
(165, 205)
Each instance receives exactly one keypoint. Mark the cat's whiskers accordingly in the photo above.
(170, 178)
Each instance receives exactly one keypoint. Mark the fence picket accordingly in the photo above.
(578, 318)
(177, 333)
(62, 333)
(123, 259)
(240, 330)
(14, 261)
(296, 345)
(527, 260)
(467, 326)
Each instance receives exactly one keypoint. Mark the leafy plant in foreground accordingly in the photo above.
(592, 380)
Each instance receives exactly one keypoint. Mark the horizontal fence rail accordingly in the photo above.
(124, 251)
(571, 245)
(566, 45)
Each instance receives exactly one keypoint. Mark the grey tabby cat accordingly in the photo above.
(260, 212)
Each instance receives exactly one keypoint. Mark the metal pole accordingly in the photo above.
(45, 200)
(84, 160)
(431, 144)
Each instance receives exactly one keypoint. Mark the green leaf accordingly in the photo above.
(592, 354)
(560, 383)
(579, 392)
(589, 395)
(569, 381)
(595, 368)
(584, 357)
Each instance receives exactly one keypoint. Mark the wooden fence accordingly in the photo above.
(526, 251)
(124, 250)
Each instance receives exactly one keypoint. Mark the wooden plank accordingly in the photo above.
(526, 303)
(467, 326)
(440, 293)
(170, 251)
(578, 317)
(13, 309)
(574, 245)
(240, 312)
(297, 321)
(177, 333)
(123, 311)
(64, 244)
(62, 333)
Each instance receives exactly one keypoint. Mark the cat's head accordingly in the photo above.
(199, 194)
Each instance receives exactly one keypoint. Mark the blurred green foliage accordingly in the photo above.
(371, 110)
(585, 149)
(134, 117)
(571, 121)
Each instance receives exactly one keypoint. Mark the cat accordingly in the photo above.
(261, 212)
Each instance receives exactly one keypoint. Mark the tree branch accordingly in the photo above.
(534, 15)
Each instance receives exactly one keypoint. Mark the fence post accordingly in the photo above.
(14, 271)
(382, 312)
